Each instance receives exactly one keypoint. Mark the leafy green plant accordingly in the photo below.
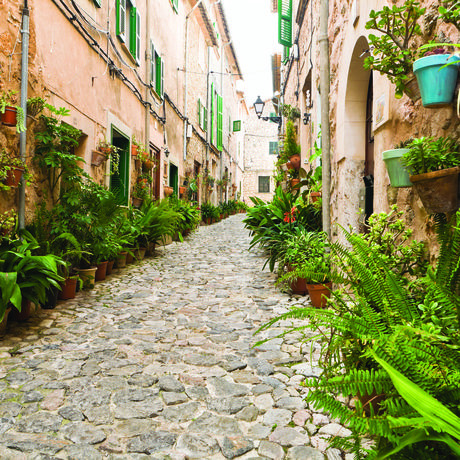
(449, 11)
(393, 52)
(290, 112)
(54, 151)
(35, 106)
(429, 154)
(290, 146)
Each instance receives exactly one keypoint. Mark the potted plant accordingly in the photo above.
(397, 172)
(291, 150)
(436, 74)
(434, 165)
(11, 114)
(105, 150)
(8, 221)
(210, 181)
(314, 268)
(12, 169)
(141, 191)
(393, 52)
(35, 106)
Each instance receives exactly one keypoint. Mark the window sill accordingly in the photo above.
(131, 57)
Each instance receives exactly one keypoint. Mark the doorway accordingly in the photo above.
(174, 178)
(369, 156)
(119, 180)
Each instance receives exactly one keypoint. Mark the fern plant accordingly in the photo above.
(385, 325)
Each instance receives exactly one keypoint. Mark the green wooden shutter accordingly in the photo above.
(212, 113)
(132, 32)
(205, 118)
(200, 115)
(175, 4)
(160, 72)
(98, 3)
(138, 36)
(121, 19)
(152, 65)
(162, 87)
(236, 126)
(285, 22)
(220, 122)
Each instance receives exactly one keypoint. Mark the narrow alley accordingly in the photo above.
(158, 362)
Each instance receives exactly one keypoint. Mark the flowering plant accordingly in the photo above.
(290, 216)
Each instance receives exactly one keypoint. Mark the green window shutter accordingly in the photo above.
(236, 126)
(220, 122)
(160, 71)
(212, 113)
(98, 3)
(273, 148)
(152, 65)
(132, 31)
(121, 19)
(138, 36)
(285, 22)
(205, 118)
(200, 115)
(286, 53)
(175, 4)
(162, 87)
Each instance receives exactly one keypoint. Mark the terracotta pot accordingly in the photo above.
(130, 257)
(133, 150)
(24, 314)
(97, 157)
(319, 293)
(295, 161)
(4, 321)
(88, 277)
(299, 286)
(373, 400)
(9, 118)
(412, 90)
(438, 190)
(69, 289)
(101, 271)
(13, 176)
(110, 264)
(150, 249)
(121, 259)
(182, 190)
(294, 182)
(149, 164)
(139, 253)
(168, 191)
(314, 196)
(137, 202)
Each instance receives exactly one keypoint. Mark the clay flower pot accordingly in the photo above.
(319, 293)
(13, 176)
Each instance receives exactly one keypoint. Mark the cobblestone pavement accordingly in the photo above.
(158, 362)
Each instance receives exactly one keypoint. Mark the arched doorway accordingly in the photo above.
(355, 153)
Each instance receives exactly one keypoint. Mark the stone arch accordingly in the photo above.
(351, 136)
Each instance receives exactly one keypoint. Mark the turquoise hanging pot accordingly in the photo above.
(437, 84)
(399, 177)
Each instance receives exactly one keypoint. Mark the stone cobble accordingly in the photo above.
(159, 362)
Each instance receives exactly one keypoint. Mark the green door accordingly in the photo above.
(174, 178)
(119, 181)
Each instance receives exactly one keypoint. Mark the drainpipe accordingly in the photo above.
(325, 127)
(185, 75)
(222, 61)
(24, 82)
(148, 59)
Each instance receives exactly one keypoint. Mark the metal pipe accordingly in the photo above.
(24, 82)
(148, 59)
(325, 127)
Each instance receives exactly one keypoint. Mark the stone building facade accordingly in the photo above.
(260, 154)
(123, 75)
(359, 134)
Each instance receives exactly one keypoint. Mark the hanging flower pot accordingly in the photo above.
(438, 190)
(9, 118)
(168, 191)
(399, 177)
(411, 88)
(137, 202)
(182, 190)
(13, 176)
(97, 157)
(134, 150)
(295, 161)
(148, 164)
(436, 83)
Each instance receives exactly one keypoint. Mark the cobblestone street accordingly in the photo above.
(158, 362)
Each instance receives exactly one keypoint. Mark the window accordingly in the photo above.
(285, 22)
(236, 126)
(175, 5)
(98, 3)
(264, 184)
(202, 116)
(217, 122)
(157, 71)
(273, 148)
(128, 26)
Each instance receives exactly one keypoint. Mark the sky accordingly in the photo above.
(254, 32)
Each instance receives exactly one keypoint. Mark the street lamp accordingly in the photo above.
(259, 108)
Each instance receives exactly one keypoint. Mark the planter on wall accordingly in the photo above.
(137, 202)
(295, 161)
(411, 87)
(437, 84)
(438, 190)
(168, 191)
(399, 177)
(9, 117)
(13, 176)
(97, 157)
